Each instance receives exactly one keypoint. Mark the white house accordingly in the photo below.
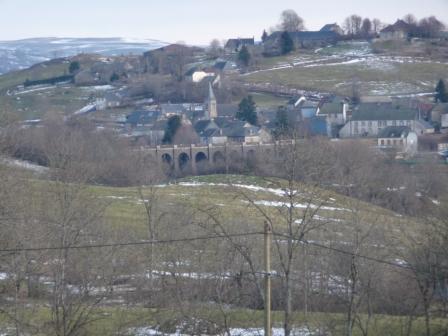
(400, 138)
(368, 119)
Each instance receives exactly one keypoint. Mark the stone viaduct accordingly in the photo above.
(189, 158)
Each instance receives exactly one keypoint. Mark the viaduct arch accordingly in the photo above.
(193, 157)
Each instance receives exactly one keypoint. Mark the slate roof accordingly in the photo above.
(236, 43)
(142, 117)
(400, 25)
(394, 132)
(330, 27)
(213, 132)
(173, 108)
(309, 35)
(240, 131)
(330, 108)
(383, 111)
(227, 110)
(203, 125)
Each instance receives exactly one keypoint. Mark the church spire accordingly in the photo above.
(212, 110)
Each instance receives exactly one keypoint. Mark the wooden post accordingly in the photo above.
(267, 279)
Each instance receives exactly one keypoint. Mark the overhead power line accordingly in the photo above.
(124, 244)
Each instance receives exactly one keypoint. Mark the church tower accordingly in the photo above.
(212, 108)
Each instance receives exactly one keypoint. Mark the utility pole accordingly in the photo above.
(267, 279)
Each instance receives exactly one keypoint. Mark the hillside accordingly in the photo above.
(21, 54)
(185, 208)
(339, 68)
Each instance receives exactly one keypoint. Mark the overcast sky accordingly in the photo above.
(191, 21)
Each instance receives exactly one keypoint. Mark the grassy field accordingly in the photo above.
(227, 194)
(339, 68)
(230, 194)
(40, 71)
(133, 320)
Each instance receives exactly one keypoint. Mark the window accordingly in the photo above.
(401, 122)
(394, 123)
(369, 124)
(363, 123)
(382, 142)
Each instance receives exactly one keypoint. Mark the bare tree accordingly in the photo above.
(290, 21)
(376, 26)
(430, 26)
(215, 48)
(352, 25)
(410, 19)
(366, 28)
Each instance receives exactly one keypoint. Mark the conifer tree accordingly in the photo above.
(441, 92)
(286, 43)
(264, 36)
(244, 56)
(247, 110)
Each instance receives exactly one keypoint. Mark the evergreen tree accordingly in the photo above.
(173, 125)
(281, 122)
(114, 77)
(264, 36)
(286, 43)
(247, 110)
(74, 67)
(441, 92)
(244, 56)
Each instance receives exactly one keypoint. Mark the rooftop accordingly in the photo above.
(383, 111)
(394, 132)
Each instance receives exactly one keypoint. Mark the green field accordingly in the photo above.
(337, 69)
(226, 196)
(128, 321)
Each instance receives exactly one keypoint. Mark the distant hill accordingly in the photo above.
(21, 54)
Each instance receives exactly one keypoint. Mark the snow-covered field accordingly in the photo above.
(148, 331)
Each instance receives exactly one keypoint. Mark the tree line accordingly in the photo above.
(354, 269)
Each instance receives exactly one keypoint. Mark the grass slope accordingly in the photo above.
(337, 69)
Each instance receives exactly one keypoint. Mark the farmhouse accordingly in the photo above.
(398, 31)
(301, 39)
(235, 45)
(400, 138)
(332, 27)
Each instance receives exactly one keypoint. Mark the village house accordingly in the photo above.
(209, 132)
(399, 138)
(337, 111)
(400, 30)
(439, 115)
(142, 117)
(368, 119)
(332, 27)
(301, 39)
(243, 132)
(235, 45)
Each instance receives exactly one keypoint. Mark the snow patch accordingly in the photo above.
(25, 165)
(148, 331)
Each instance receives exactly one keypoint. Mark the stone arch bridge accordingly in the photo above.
(191, 158)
